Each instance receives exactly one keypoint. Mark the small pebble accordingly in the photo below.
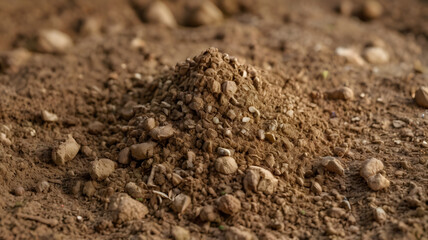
(398, 124)
(89, 189)
(316, 188)
(158, 13)
(224, 152)
(179, 233)
(180, 203)
(149, 124)
(19, 191)
(4, 140)
(370, 167)
(208, 214)
(246, 119)
(421, 97)
(42, 187)
(124, 154)
(342, 93)
(96, 127)
(102, 168)
(372, 9)
(333, 165)
(234, 233)
(260, 179)
(53, 41)
(205, 13)
(376, 55)
(49, 117)
(162, 133)
(65, 151)
(379, 214)
(229, 88)
(229, 204)
(226, 165)
(133, 190)
(270, 137)
(123, 208)
(143, 150)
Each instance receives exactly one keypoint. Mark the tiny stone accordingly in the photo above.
(204, 14)
(376, 55)
(379, 214)
(133, 190)
(149, 124)
(316, 188)
(246, 119)
(398, 124)
(176, 179)
(19, 191)
(102, 168)
(143, 150)
(123, 208)
(231, 114)
(87, 151)
(226, 165)
(162, 133)
(378, 182)
(421, 97)
(123, 157)
(65, 151)
(270, 137)
(53, 41)
(260, 179)
(229, 204)
(224, 151)
(216, 120)
(336, 212)
(208, 214)
(342, 93)
(96, 127)
(4, 140)
(179, 233)
(370, 167)
(229, 88)
(333, 165)
(181, 203)
(89, 189)
(49, 117)
(42, 187)
(261, 134)
(371, 10)
(158, 13)
(235, 233)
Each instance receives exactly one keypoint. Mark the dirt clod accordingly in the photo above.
(229, 204)
(102, 168)
(65, 151)
(143, 150)
(181, 203)
(226, 165)
(42, 187)
(208, 214)
(123, 208)
(333, 165)
(234, 233)
(179, 233)
(259, 179)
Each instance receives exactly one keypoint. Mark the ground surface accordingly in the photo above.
(121, 71)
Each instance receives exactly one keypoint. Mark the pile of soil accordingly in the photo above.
(270, 120)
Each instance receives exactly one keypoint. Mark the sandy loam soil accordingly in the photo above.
(229, 119)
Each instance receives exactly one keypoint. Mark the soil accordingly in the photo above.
(258, 120)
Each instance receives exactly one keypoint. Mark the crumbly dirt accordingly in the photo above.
(253, 125)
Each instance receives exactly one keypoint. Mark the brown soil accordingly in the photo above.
(250, 126)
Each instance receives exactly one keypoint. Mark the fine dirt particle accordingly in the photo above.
(123, 208)
(53, 41)
(49, 117)
(421, 97)
(102, 168)
(143, 150)
(65, 151)
(179, 233)
(181, 203)
(229, 204)
(226, 165)
(342, 93)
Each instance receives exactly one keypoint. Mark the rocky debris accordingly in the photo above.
(342, 93)
(143, 150)
(42, 187)
(234, 233)
(133, 190)
(260, 179)
(371, 10)
(226, 165)
(398, 124)
(376, 55)
(123, 208)
(332, 164)
(65, 151)
(180, 203)
(229, 204)
(49, 117)
(4, 140)
(229, 88)
(351, 55)
(379, 214)
(208, 214)
(179, 233)
(421, 97)
(204, 13)
(101, 169)
(158, 13)
(149, 124)
(162, 133)
(89, 189)
(124, 156)
(19, 191)
(53, 41)
(370, 172)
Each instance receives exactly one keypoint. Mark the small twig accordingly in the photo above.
(50, 222)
